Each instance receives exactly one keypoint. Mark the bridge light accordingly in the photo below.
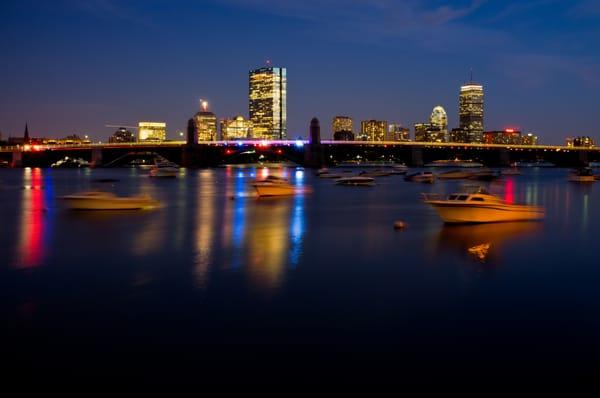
(240, 143)
(299, 143)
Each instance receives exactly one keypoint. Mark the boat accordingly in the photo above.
(95, 200)
(274, 186)
(468, 163)
(70, 163)
(399, 169)
(537, 163)
(422, 176)
(475, 205)
(164, 169)
(4, 164)
(584, 174)
(454, 175)
(356, 181)
(485, 175)
(330, 175)
(375, 173)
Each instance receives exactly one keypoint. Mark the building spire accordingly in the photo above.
(471, 76)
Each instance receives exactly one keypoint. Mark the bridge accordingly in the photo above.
(301, 152)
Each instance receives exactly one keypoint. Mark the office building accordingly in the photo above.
(439, 121)
(152, 131)
(236, 129)
(471, 111)
(373, 130)
(396, 132)
(268, 103)
(121, 135)
(342, 124)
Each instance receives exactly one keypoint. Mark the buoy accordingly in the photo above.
(399, 225)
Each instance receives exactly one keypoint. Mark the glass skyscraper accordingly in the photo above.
(268, 103)
(471, 111)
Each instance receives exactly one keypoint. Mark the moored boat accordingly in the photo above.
(468, 163)
(164, 169)
(356, 181)
(584, 174)
(476, 205)
(274, 186)
(375, 173)
(512, 171)
(422, 176)
(95, 200)
(454, 175)
(485, 175)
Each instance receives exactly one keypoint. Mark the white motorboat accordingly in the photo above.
(108, 201)
(164, 169)
(476, 205)
(585, 174)
(356, 181)
(399, 169)
(454, 175)
(422, 176)
(468, 163)
(537, 163)
(274, 186)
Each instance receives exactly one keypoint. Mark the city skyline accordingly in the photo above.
(60, 88)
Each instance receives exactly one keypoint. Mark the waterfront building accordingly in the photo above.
(458, 135)
(529, 139)
(268, 103)
(206, 126)
(236, 129)
(471, 111)
(342, 124)
(343, 136)
(427, 132)
(583, 141)
(506, 137)
(396, 132)
(152, 131)
(373, 130)
(121, 135)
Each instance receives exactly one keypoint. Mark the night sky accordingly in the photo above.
(72, 66)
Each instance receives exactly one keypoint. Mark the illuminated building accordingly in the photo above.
(268, 103)
(236, 128)
(529, 139)
(152, 131)
(342, 124)
(398, 133)
(206, 126)
(427, 132)
(373, 130)
(471, 111)
(121, 135)
(458, 135)
(584, 141)
(439, 120)
(506, 136)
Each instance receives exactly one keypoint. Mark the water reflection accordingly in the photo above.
(205, 225)
(463, 239)
(31, 248)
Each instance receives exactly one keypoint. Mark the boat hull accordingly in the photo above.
(461, 213)
(82, 203)
(274, 189)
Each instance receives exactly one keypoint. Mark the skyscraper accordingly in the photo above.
(439, 121)
(471, 111)
(268, 102)
(205, 123)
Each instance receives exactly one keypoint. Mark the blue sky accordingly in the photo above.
(72, 66)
